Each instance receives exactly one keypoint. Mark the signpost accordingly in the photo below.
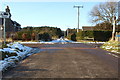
(4, 15)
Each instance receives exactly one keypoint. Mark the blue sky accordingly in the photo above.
(56, 14)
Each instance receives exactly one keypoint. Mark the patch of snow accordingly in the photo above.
(108, 47)
(8, 50)
(21, 50)
(61, 40)
(115, 51)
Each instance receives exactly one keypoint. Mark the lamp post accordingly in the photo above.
(78, 15)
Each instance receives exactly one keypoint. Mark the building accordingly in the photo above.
(10, 26)
(87, 28)
(17, 26)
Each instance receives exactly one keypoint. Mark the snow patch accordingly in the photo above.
(22, 52)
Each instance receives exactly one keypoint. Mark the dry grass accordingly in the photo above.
(7, 40)
(111, 46)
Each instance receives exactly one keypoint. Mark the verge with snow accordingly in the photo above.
(10, 61)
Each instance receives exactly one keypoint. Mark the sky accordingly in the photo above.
(55, 14)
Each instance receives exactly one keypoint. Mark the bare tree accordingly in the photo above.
(104, 12)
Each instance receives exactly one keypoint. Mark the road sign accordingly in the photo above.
(4, 14)
(117, 35)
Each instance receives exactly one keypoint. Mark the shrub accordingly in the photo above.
(79, 35)
(73, 37)
(45, 37)
(4, 46)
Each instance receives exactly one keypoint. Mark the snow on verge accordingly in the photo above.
(22, 52)
(112, 46)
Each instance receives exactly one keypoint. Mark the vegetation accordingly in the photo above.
(44, 33)
(73, 37)
(96, 35)
(102, 35)
(45, 37)
(106, 26)
(113, 46)
(4, 46)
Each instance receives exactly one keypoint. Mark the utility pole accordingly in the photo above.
(78, 15)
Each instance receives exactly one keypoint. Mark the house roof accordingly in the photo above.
(14, 22)
(84, 28)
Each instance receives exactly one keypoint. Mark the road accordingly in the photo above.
(66, 61)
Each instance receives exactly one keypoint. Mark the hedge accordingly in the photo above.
(73, 37)
(97, 35)
(102, 35)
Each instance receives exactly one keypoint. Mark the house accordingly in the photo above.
(10, 26)
(17, 26)
(87, 28)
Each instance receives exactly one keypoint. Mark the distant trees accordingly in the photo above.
(105, 26)
(45, 33)
(45, 37)
(24, 36)
(33, 36)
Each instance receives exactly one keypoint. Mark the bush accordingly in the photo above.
(97, 35)
(73, 37)
(45, 37)
(79, 35)
(88, 34)
(4, 46)
(23, 35)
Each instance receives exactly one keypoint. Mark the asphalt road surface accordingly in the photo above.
(66, 61)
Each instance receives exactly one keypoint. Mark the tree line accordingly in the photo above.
(44, 33)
